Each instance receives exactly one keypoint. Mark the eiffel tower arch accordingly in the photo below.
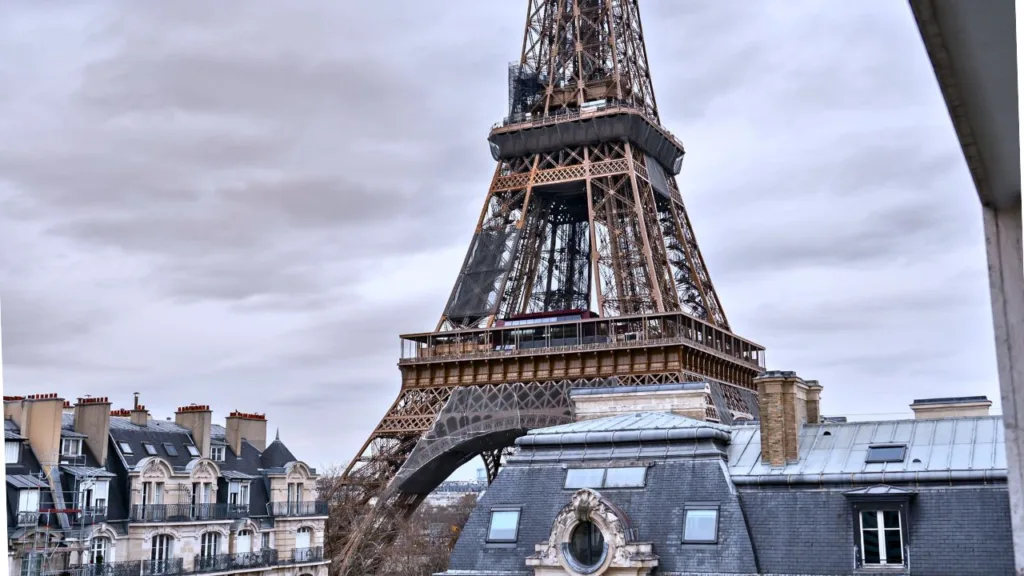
(583, 270)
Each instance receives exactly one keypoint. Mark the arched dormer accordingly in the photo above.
(203, 470)
(154, 469)
(297, 471)
(592, 536)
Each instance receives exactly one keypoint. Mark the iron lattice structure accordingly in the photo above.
(583, 213)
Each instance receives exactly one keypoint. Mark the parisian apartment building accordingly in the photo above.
(96, 491)
(643, 483)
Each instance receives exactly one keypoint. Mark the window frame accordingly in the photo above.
(125, 447)
(170, 449)
(490, 524)
(149, 448)
(218, 450)
(868, 459)
(209, 544)
(603, 484)
(193, 451)
(76, 443)
(701, 507)
(898, 504)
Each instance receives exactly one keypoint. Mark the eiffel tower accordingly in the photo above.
(583, 271)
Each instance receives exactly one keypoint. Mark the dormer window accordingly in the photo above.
(192, 450)
(12, 452)
(28, 507)
(71, 447)
(238, 494)
(217, 453)
(125, 448)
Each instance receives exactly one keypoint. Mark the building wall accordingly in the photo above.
(954, 531)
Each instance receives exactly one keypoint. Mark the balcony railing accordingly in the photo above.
(311, 508)
(28, 518)
(127, 568)
(160, 567)
(303, 555)
(187, 512)
(228, 562)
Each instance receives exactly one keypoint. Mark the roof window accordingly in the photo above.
(886, 453)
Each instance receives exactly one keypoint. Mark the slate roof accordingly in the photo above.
(276, 455)
(155, 432)
(11, 431)
(941, 445)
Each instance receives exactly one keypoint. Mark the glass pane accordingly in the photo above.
(503, 525)
(587, 544)
(625, 477)
(584, 478)
(893, 547)
(701, 525)
(891, 519)
(871, 554)
(885, 454)
(869, 519)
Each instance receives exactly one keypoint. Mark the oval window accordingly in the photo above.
(587, 545)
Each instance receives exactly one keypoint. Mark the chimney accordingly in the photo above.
(957, 407)
(251, 427)
(92, 418)
(198, 419)
(783, 401)
(813, 402)
(12, 408)
(139, 415)
(40, 421)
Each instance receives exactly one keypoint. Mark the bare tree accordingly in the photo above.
(417, 546)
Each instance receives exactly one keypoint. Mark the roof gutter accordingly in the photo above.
(946, 476)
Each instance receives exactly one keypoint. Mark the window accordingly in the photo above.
(630, 477)
(586, 545)
(32, 564)
(160, 548)
(891, 453)
(238, 493)
(125, 447)
(93, 496)
(304, 538)
(881, 537)
(170, 449)
(265, 544)
(625, 477)
(101, 551)
(209, 545)
(192, 450)
(584, 478)
(217, 453)
(149, 448)
(504, 526)
(28, 501)
(12, 452)
(243, 543)
(71, 447)
(700, 524)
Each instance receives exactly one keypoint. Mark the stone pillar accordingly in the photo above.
(782, 399)
(1003, 242)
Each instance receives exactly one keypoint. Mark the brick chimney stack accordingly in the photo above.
(92, 418)
(786, 403)
(40, 421)
(199, 420)
(251, 427)
(139, 415)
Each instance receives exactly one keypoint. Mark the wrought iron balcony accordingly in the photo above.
(229, 562)
(160, 567)
(127, 568)
(303, 555)
(187, 512)
(312, 508)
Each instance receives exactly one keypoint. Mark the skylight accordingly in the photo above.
(150, 449)
(170, 449)
(887, 453)
(192, 450)
(125, 447)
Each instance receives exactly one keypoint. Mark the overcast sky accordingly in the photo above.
(244, 203)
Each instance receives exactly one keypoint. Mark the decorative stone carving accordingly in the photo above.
(622, 556)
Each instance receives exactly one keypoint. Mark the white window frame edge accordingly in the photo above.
(702, 506)
(490, 520)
